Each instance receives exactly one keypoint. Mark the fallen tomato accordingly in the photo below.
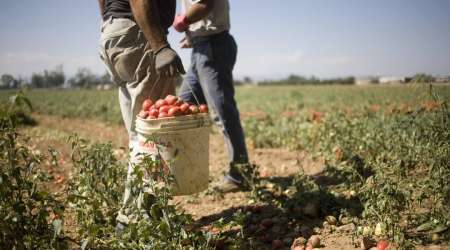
(382, 245)
(277, 244)
(266, 223)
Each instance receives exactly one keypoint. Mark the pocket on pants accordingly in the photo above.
(126, 62)
(125, 53)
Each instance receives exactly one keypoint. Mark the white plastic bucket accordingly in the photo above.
(183, 143)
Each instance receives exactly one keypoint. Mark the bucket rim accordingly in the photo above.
(179, 131)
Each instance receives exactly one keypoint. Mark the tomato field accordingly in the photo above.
(335, 167)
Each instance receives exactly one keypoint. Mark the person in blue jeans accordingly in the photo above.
(210, 79)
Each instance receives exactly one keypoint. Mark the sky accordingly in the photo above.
(324, 38)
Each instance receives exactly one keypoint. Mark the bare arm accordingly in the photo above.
(146, 15)
(199, 10)
(101, 4)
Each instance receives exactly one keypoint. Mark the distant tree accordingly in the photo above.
(237, 83)
(49, 78)
(7, 81)
(84, 78)
(37, 80)
(54, 78)
(302, 80)
(248, 80)
(105, 78)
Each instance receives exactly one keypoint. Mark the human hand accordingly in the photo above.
(180, 23)
(168, 63)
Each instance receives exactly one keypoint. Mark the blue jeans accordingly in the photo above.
(210, 78)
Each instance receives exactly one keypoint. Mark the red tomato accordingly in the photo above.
(193, 109)
(163, 115)
(266, 223)
(164, 108)
(277, 244)
(174, 111)
(382, 245)
(203, 108)
(171, 99)
(160, 103)
(153, 112)
(184, 107)
(147, 104)
(143, 114)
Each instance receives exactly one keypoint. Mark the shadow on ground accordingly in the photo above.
(286, 208)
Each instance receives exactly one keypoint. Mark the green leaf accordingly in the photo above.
(439, 229)
(425, 226)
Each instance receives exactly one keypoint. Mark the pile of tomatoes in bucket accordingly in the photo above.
(170, 106)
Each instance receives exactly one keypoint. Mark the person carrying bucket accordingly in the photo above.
(210, 79)
(134, 48)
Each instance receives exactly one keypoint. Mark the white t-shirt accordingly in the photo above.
(216, 21)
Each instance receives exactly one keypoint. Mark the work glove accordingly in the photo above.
(180, 23)
(168, 63)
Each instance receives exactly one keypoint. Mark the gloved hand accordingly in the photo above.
(168, 63)
(180, 23)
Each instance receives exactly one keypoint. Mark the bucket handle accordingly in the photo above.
(190, 87)
(193, 93)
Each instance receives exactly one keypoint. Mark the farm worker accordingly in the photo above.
(134, 47)
(209, 78)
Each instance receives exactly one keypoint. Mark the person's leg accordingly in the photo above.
(215, 60)
(190, 90)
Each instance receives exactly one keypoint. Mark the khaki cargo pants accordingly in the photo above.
(123, 49)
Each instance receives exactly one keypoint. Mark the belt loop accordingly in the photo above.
(110, 19)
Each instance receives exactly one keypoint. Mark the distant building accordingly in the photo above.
(442, 79)
(366, 80)
(104, 86)
(394, 79)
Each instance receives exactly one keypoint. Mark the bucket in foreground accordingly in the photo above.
(183, 143)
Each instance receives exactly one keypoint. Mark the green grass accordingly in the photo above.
(103, 105)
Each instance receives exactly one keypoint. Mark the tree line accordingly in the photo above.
(85, 78)
(56, 78)
(303, 80)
